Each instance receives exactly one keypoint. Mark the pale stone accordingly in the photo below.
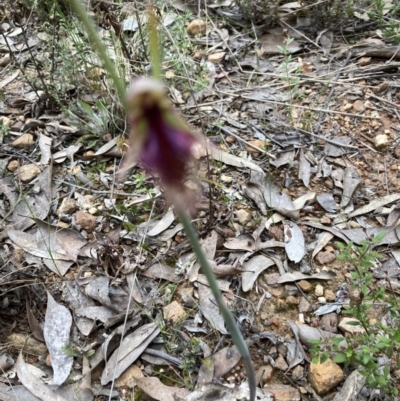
(291, 300)
(325, 376)
(381, 142)
(197, 26)
(13, 165)
(243, 216)
(86, 221)
(325, 258)
(283, 392)
(298, 373)
(350, 328)
(329, 322)
(68, 206)
(281, 364)
(264, 374)
(5, 121)
(329, 295)
(358, 106)
(304, 305)
(173, 312)
(319, 290)
(216, 58)
(23, 142)
(304, 285)
(28, 172)
(127, 379)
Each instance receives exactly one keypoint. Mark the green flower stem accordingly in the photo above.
(154, 47)
(226, 313)
(99, 47)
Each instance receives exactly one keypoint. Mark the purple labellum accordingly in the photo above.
(166, 149)
(159, 138)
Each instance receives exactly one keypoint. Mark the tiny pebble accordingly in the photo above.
(319, 290)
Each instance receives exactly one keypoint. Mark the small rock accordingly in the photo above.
(276, 233)
(301, 318)
(304, 305)
(282, 349)
(298, 373)
(329, 322)
(283, 392)
(242, 216)
(264, 374)
(319, 290)
(13, 165)
(282, 305)
(358, 106)
(127, 379)
(197, 26)
(381, 142)
(291, 300)
(329, 295)
(198, 55)
(291, 290)
(62, 224)
(28, 172)
(93, 210)
(325, 376)
(328, 183)
(272, 278)
(68, 206)
(173, 312)
(354, 224)
(348, 106)
(326, 220)
(322, 300)
(325, 258)
(216, 58)
(304, 285)
(23, 142)
(349, 328)
(5, 121)
(281, 364)
(86, 221)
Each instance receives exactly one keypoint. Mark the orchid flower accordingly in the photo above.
(159, 138)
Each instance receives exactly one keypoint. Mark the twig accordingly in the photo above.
(331, 141)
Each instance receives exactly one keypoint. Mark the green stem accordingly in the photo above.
(226, 313)
(154, 48)
(99, 47)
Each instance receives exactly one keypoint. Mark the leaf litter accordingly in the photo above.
(276, 198)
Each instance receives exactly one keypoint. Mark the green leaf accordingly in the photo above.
(340, 358)
(86, 107)
(379, 237)
(366, 358)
